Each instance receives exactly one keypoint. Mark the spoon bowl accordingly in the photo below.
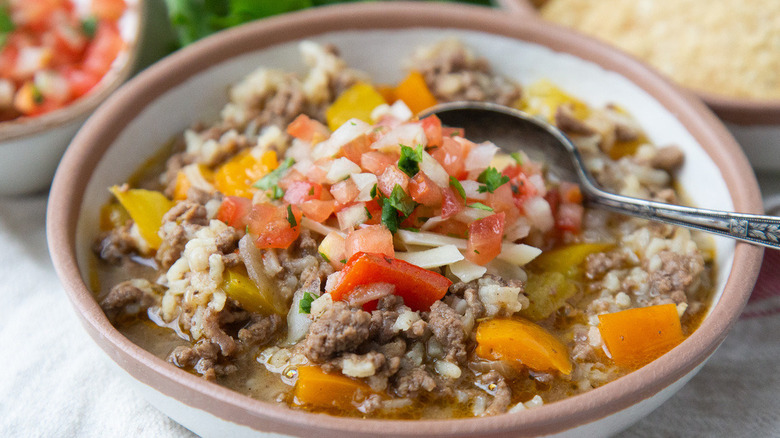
(514, 130)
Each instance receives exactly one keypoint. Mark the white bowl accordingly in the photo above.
(31, 148)
(191, 85)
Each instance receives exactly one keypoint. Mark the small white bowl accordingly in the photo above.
(31, 148)
(191, 86)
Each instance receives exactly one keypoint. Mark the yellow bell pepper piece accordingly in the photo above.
(547, 293)
(315, 387)
(113, 215)
(543, 98)
(252, 297)
(568, 259)
(415, 93)
(357, 102)
(636, 337)
(522, 343)
(236, 177)
(146, 208)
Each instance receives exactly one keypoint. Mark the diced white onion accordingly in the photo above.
(469, 215)
(351, 217)
(467, 271)
(400, 111)
(538, 182)
(196, 179)
(480, 156)
(341, 168)
(429, 239)
(517, 229)
(362, 294)
(538, 212)
(471, 189)
(434, 170)
(297, 323)
(319, 228)
(364, 182)
(407, 134)
(432, 222)
(518, 253)
(432, 258)
(352, 129)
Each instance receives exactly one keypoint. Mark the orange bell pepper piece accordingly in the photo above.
(521, 342)
(419, 287)
(636, 337)
(415, 93)
(314, 387)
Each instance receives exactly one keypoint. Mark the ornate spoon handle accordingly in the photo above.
(752, 228)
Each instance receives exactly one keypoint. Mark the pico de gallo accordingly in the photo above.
(54, 51)
(355, 259)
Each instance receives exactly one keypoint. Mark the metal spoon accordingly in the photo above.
(512, 128)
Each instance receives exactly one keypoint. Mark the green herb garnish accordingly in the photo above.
(304, 305)
(277, 192)
(269, 181)
(324, 257)
(480, 206)
(368, 213)
(455, 184)
(6, 25)
(517, 157)
(492, 179)
(291, 217)
(410, 159)
(89, 26)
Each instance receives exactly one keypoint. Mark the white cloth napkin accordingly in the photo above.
(55, 382)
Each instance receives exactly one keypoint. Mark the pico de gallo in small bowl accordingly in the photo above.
(54, 51)
(59, 59)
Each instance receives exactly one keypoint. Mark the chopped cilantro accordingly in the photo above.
(492, 179)
(480, 206)
(390, 217)
(324, 257)
(304, 305)
(410, 159)
(401, 201)
(343, 260)
(368, 213)
(412, 229)
(89, 26)
(291, 217)
(517, 157)
(6, 24)
(455, 184)
(373, 192)
(269, 181)
(277, 192)
(37, 95)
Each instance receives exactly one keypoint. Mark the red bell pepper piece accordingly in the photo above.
(419, 287)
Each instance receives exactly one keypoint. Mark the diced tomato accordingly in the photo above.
(110, 10)
(318, 173)
(344, 192)
(522, 189)
(419, 216)
(105, 46)
(452, 228)
(570, 192)
(80, 81)
(553, 197)
(452, 156)
(569, 217)
(374, 212)
(418, 287)
(376, 162)
(432, 127)
(391, 177)
(290, 177)
(452, 203)
(307, 129)
(424, 191)
(318, 210)
(234, 211)
(502, 201)
(272, 227)
(375, 239)
(299, 192)
(485, 236)
(355, 149)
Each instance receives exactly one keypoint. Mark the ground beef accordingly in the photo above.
(453, 73)
(567, 122)
(203, 358)
(340, 328)
(470, 293)
(582, 351)
(130, 298)
(447, 327)
(409, 383)
(668, 158)
(260, 329)
(598, 264)
(116, 245)
(213, 331)
(502, 395)
(180, 224)
(227, 240)
(677, 274)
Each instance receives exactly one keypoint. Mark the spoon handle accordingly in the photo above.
(752, 228)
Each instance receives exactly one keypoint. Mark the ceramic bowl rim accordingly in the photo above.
(93, 140)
